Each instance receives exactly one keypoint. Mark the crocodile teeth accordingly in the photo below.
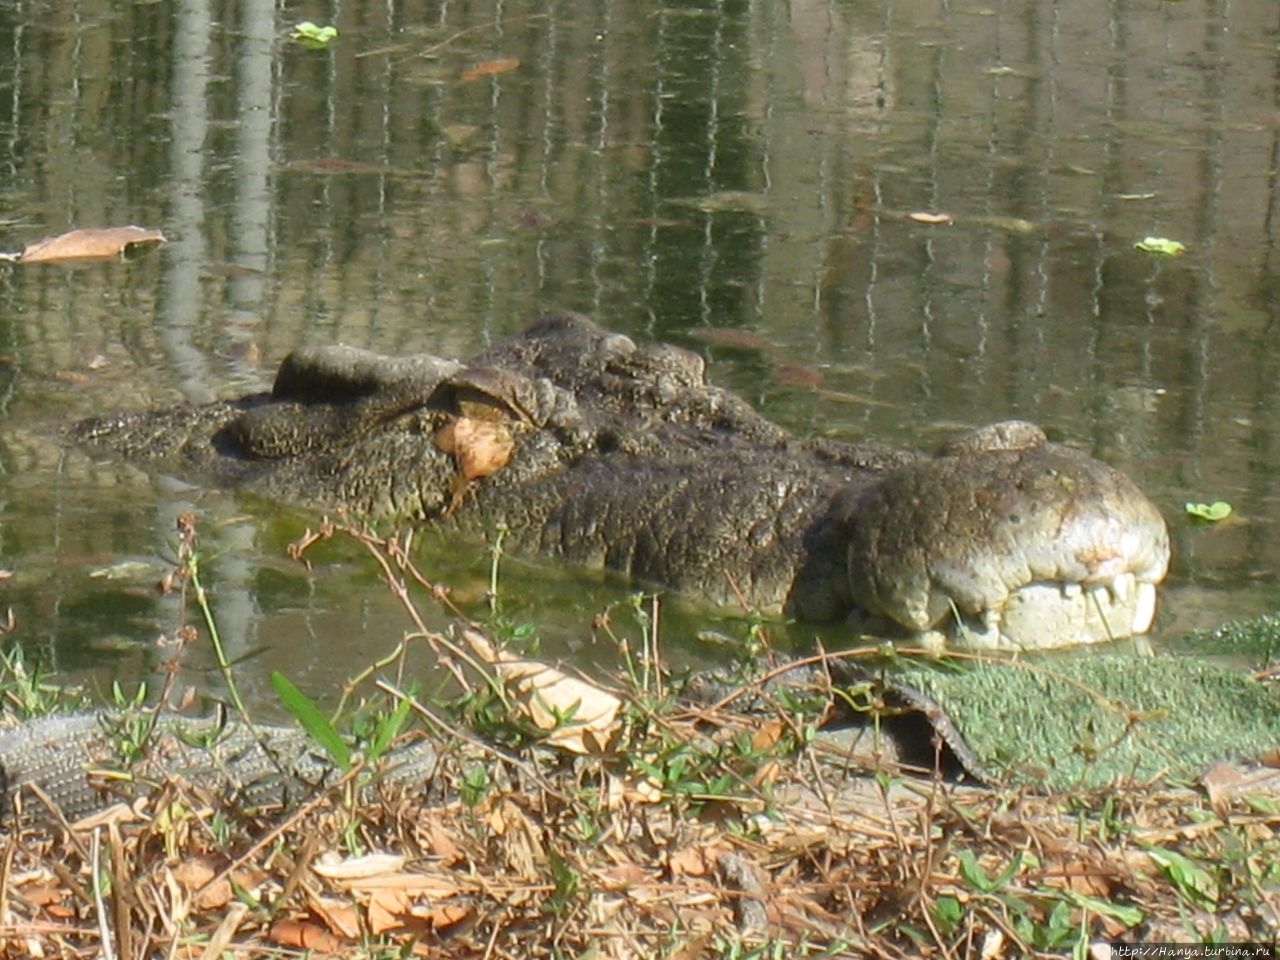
(1071, 589)
(1144, 608)
(1122, 586)
(1102, 599)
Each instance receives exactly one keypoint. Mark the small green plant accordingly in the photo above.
(308, 715)
(131, 725)
(27, 690)
(187, 576)
(1189, 878)
(566, 882)
(312, 36)
(474, 785)
(977, 878)
(377, 731)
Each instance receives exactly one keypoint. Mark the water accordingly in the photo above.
(736, 177)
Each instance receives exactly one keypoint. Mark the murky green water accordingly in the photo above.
(737, 177)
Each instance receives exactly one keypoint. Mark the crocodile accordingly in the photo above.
(584, 445)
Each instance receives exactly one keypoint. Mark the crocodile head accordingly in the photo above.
(585, 445)
(1006, 540)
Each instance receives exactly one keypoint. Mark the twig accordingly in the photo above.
(286, 824)
(467, 737)
(104, 933)
(437, 47)
(190, 560)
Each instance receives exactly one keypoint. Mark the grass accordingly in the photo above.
(735, 830)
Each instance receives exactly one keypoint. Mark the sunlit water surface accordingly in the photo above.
(739, 178)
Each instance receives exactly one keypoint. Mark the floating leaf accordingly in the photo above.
(1218, 510)
(125, 570)
(458, 133)
(1162, 245)
(489, 68)
(726, 201)
(733, 337)
(1015, 225)
(88, 244)
(793, 373)
(310, 35)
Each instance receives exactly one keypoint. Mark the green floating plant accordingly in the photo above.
(1163, 245)
(310, 35)
(1218, 510)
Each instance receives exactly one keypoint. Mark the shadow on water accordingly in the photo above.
(735, 176)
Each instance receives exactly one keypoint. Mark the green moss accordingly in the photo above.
(1089, 721)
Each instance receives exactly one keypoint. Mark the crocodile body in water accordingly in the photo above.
(584, 445)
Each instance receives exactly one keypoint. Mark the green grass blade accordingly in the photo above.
(312, 720)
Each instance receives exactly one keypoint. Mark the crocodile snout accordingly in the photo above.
(1034, 547)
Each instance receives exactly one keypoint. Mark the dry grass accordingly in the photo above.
(693, 833)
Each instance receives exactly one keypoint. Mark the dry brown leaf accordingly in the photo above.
(767, 734)
(440, 842)
(194, 873)
(43, 893)
(793, 373)
(387, 910)
(305, 934)
(360, 868)
(89, 244)
(489, 68)
(575, 715)
(925, 216)
(418, 884)
(1093, 879)
(734, 337)
(624, 875)
(338, 915)
(695, 861)
(447, 919)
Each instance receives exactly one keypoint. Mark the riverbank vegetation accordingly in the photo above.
(573, 816)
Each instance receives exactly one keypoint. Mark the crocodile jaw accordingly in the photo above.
(1069, 613)
(1027, 548)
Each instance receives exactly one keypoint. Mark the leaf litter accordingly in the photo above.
(777, 844)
